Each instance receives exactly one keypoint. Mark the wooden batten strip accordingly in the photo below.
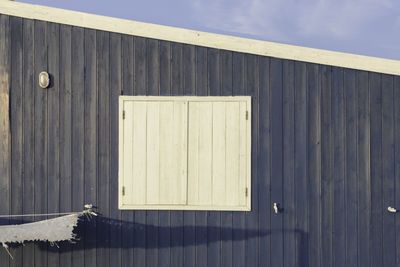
(198, 38)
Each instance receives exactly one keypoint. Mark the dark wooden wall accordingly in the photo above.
(325, 145)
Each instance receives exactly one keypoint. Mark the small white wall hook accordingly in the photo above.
(276, 208)
(391, 209)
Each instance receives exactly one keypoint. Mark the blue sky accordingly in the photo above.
(367, 27)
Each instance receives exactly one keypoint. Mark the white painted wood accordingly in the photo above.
(232, 160)
(198, 38)
(178, 177)
(173, 152)
(139, 151)
(185, 153)
(185, 207)
(153, 153)
(127, 151)
(121, 156)
(166, 154)
(205, 153)
(218, 153)
(245, 150)
(243, 154)
(193, 152)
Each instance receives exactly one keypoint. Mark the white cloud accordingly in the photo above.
(289, 20)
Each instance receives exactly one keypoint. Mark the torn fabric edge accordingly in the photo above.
(50, 230)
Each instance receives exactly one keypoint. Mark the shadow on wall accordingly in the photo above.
(98, 232)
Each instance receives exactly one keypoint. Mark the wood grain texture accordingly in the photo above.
(103, 151)
(65, 197)
(364, 165)
(314, 163)
(28, 132)
(41, 132)
(16, 96)
(5, 127)
(326, 167)
(276, 123)
(90, 141)
(78, 127)
(289, 219)
(53, 103)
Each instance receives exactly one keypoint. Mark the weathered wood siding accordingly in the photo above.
(325, 146)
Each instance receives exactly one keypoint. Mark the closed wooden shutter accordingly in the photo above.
(154, 153)
(217, 172)
(185, 153)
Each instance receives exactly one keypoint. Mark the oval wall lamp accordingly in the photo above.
(44, 79)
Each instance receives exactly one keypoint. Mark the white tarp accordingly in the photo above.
(51, 230)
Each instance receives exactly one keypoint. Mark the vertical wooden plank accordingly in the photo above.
(128, 153)
(179, 176)
(243, 183)
(140, 89)
(314, 164)
(41, 132)
(177, 216)
(153, 155)
(205, 149)
(375, 85)
(218, 154)
(127, 89)
(238, 235)
(232, 172)
(301, 183)
(103, 133)
(351, 167)
(214, 218)
(5, 134)
(276, 81)
(364, 173)
(339, 143)
(53, 39)
(90, 142)
(189, 88)
(326, 167)
(264, 200)
(396, 99)
(289, 232)
(252, 89)
(65, 132)
(78, 127)
(16, 126)
(137, 193)
(193, 153)
(115, 92)
(164, 232)
(233, 180)
(388, 174)
(153, 88)
(28, 132)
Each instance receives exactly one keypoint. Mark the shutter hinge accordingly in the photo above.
(123, 114)
(123, 190)
(247, 192)
(247, 115)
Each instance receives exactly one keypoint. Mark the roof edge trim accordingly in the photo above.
(167, 33)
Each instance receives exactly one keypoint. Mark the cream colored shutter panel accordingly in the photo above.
(217, 154)
(155, 153)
